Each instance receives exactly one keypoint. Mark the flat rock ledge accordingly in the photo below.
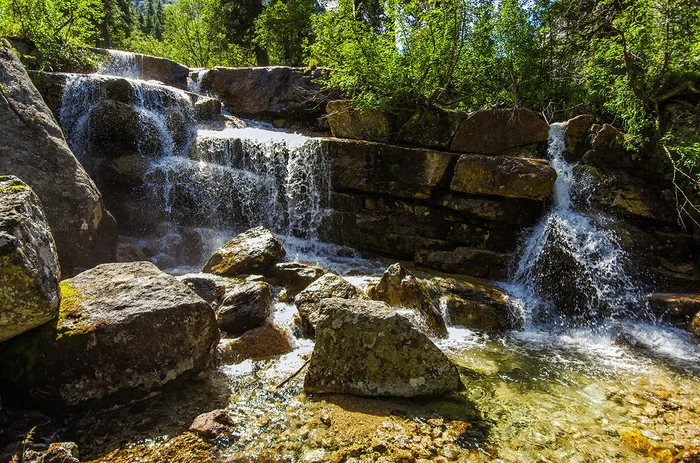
(122, 330)
(367, 348)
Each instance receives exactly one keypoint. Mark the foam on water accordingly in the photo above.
(121, 64)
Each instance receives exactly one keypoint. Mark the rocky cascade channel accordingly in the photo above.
(294, 280)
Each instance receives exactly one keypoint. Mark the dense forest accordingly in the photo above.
(616, 59)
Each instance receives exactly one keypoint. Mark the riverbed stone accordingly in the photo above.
(122, 331)
(253, 251)
(503, 176)
(244, 307)
(295, 276)
(399, 288)
(348, 122)
(368, 348)
(264, 342)
(211, 288)
(29, 271)
(493, 131)
(35, 150)
(308, 301)
(212, 424)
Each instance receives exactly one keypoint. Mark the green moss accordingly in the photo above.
(71, 320)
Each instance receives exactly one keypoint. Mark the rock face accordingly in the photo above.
(399, 288)
(308, 302)
(253, 251)
(29, 270)
(431, 128)
(260, 343)
(288, 96)
(503, 176)
(467, 261)
(678, 309)
(494, 131)
(244, 307)
(367, 348)
(347, 122)
(34, 150)
(122, 330)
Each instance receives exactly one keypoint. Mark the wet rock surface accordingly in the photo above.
(253, 251)
(122, 330)
(35, 151)
(367, 348)
(295, 276)
(244, 307)
(29, 272)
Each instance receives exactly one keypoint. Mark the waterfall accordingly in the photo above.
(121, 64)
(165, 115)
(239, 178)
(571, 268)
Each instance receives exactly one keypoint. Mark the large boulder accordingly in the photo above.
(288, 96)
(494, 131)
(34, 150)
(308, 302)
(122, 330)
(503, 176)
(253, 251)
(244, 307)
(367, 348)
(348, 122)
(433, 128)
(386, 169)
(399, 288)
(29, 270)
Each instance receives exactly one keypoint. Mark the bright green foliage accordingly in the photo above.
(284, 30)
(58, 28)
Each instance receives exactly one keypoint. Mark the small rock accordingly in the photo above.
(244, 307)
(260, 343)
(294, 276)
(254, 251)
(209, 287)
(212, 424)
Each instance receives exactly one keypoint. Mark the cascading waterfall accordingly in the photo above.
(571, 267)
(121, 64)
(165, 114)
(239, 178)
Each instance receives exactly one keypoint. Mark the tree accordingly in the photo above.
(285, 30)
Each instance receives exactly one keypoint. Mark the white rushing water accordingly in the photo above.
(571, 265)
(121, 64)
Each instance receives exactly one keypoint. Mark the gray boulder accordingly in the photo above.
(253, 251)
(399, 288)
(122, 330)
(34, 150)
(308, 302)
(29, 270)
(367, 348)
(245, 307)
(294, 276)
